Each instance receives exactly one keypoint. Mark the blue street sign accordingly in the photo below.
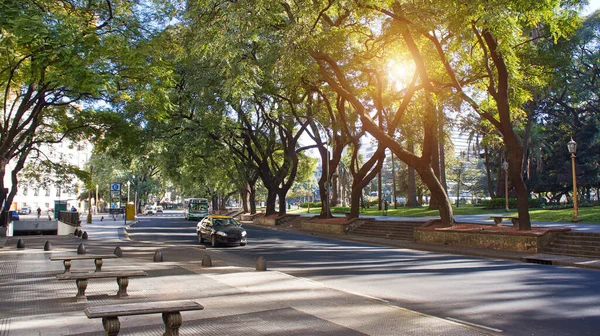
(115, 186)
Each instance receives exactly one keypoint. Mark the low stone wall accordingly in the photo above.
(518, 242)
(324, 227)
(332, 225)
(250, 217)
(274, 220)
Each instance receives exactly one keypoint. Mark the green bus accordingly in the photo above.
(195, 208)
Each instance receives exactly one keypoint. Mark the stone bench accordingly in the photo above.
(97, 260)
(81, 280)
(498, 219)
(170, 311)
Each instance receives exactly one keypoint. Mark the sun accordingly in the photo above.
(400, 73)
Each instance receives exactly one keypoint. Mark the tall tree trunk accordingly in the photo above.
(355, 200)
(488, 174)
(438, 193)
(442, 151)
(271, 197)
(379, 189)
(282, 202)
(515, 173)
(334, 190)
(325, 210)
(252, 198)
(435, 164)
(244, 199)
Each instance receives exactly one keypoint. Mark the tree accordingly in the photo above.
(58, 59)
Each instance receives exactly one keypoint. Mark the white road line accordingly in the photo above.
(474, 325)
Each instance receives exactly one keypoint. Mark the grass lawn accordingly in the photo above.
(588, 215)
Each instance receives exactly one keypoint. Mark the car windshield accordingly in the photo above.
(225, 222)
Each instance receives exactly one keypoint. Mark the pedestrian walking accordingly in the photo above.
(386, 204)
(39, 211)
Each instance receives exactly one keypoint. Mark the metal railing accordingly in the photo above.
(68, 217)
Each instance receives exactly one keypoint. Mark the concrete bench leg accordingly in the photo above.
(172, 323)
(98, 263)
(81, 286)
(123, 283)
(111, 325)
(498, 221)
(515, 222)
(67, 264)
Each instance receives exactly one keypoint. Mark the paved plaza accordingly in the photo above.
(237, 301)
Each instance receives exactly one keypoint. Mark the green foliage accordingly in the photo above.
(500, 203)
(312, 204)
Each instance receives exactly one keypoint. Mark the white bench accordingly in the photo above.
(170, 311)
(97, 260)
(81, 280)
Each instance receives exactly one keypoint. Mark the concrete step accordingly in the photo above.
(577, 244)
(573, 253)
(387, 229)
(576, 247)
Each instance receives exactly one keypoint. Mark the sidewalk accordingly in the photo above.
(237, 301)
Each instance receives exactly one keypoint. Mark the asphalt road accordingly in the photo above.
(508, 297)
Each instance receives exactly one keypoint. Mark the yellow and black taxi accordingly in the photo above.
(221, 230)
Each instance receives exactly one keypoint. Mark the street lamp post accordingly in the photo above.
(128, 183)
(505, 167)
(89, 215)
(572, 146)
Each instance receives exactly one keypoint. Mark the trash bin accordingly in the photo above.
(130, 212)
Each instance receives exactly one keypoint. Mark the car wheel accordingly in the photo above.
(243, 244)
(200, 238)
(213, 241)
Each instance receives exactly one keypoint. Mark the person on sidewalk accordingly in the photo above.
(39, 211)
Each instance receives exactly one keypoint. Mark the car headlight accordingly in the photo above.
(243, 233)
(221, 233)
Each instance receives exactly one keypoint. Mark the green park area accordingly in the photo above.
(588, 215)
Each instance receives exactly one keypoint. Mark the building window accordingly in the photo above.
(36, 192)
(47, 191)
(58, 192)
(25, 191)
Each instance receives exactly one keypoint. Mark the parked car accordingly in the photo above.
(148, 210)
(25, 210)
(159, 209)
(14, 215)
(221, 230)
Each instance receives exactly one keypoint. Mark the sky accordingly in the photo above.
(594, 5)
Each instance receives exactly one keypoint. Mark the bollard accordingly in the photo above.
(76, 232)
(81, 249)
(118, 252)
(79, 233)
(84, 235)
(20, 244)
(158, 256)
(102, 218)
(261, 264)
(48, 246)
(206, 261)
